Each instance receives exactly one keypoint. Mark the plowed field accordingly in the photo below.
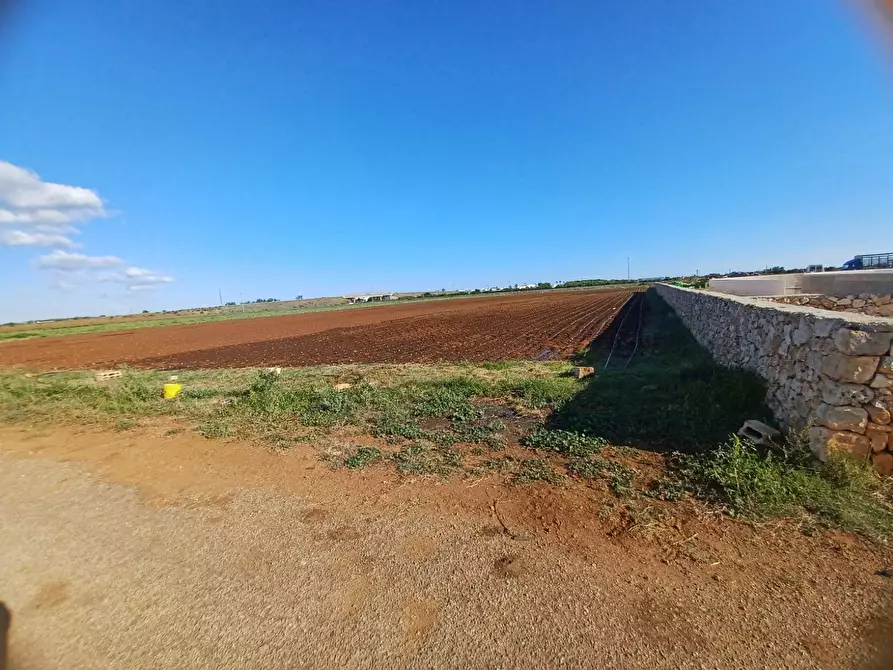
(468, 329)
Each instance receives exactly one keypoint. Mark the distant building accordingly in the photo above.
(369, 297)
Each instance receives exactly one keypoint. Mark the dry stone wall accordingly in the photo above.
(829, 371)
(864, 303)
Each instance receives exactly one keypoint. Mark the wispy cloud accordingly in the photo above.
(67, 261)
(38, 213)
(137, 279)
(20, 238)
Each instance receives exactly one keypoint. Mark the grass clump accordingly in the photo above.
(841, 492)
(536, 470)
(540, 392)
(362, 457)
(421, 459)
(564, 442)
(619, 477)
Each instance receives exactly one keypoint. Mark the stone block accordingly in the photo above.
(882, 382)
(854, 419)
(878, 440)
(877, 412)
(824, 441)
(835, 393)
(862, 343)
(856, 369)
(823, 327)
(879, 427)
(579, 372)
(885, 367)
(883, 463)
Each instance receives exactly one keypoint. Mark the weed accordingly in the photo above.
(419, 459)
(170, 432)
(666, 489)
(538, 392)
(536, 470)
(362, 457)
(841, 492)
(564, 442)
(620, 477)
(214, 429)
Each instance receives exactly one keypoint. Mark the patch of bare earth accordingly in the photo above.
(148, 549)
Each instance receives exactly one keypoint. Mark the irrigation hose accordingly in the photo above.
(616, 335)
(638, 330)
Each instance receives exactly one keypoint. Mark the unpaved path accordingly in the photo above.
(141, 550)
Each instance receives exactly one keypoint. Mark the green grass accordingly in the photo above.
(362, 457)
(789, 482)
(672, 397)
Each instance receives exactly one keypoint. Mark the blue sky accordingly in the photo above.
(316, 148)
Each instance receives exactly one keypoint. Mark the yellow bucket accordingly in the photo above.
(172, 391)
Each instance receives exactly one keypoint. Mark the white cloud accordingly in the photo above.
(19, 238)
(138, 279)
(37, 213)
(26, 199)
(63, 260)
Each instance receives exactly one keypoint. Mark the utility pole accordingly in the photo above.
(220, 295)
(627, 268)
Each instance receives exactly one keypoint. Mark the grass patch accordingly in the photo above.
(619, 477)
(672, 397)
(536, 470)
(564, 442)
(840, 493)
(421, 459)
(214, 429)
(362, 457)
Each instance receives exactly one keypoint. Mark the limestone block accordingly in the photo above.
(882, 382)
(858, 369)
(861, 343)
(834, 393)
(824, 441)
(877, 412)
(883, 463)
(878, 440)
(842, 418)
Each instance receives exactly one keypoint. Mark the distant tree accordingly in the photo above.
(230, 304)
(300, 297)
(544, 284)
(145, 311)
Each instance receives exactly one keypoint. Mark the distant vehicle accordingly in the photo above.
(869, 262)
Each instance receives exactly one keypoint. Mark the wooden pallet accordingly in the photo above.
(105, 375)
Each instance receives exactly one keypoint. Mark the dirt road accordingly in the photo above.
(146, 550)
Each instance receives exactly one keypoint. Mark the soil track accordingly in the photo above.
(550, 325)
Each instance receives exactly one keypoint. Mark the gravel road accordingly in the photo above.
(100, 572)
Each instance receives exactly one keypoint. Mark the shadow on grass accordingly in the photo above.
(671, 396)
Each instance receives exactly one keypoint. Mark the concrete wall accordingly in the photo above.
(830, 371)
(842, 283)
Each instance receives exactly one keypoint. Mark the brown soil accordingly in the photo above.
(401, 572)
(472, 329)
